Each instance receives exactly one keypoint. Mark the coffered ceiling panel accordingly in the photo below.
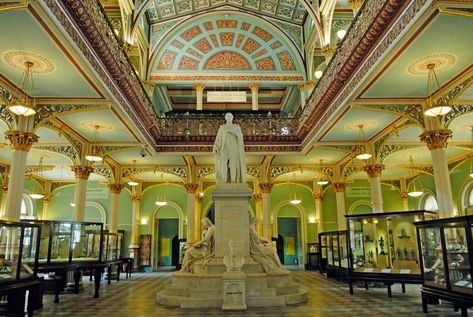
(346, 128)
(421, 155)
(112, 129)
(54, 71)
(446, 42)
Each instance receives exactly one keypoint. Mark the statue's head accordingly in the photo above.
(206, 222)
(229, 117)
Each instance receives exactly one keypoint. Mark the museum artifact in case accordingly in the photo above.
(383, 247)
(336, 252)
(112, 246)
(446, 247)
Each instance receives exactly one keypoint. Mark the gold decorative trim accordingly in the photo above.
(21, 141)
(339, 187)
(436, 139)
(82, 172)
(374, 170)
(191, 188)
(47, 199)
(266, 187)
(404, 195)
(355, 126)
(310, 84)
(318, 196)
(258, 197)
(136, 198)
(4, 188)
(199, 86)
(17, 60)
(93, 125)
(254, 86)
(115, 188)
(328, 51)
(442, 62)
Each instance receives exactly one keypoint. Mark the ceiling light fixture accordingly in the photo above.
(161, 201)
(294, 197)
(341, 34)
(133, 182)
(471, 155)
(94, 155)
(24, 106)
(362, 152)
(441, 106)
(414, 192)
(36, 193)
(323, 180)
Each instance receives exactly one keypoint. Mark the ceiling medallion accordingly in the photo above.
(17, 60)
(442, 62)
(355, 126)
(96, 125)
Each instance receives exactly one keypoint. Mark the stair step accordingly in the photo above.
(168, 300)
(201, 303)
(258, 292)
(262, 301)
(296, 298)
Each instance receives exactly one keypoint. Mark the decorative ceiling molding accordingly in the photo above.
(46, 111)
(388, 149)
(6, 116)
(180, 172)
(66, 150)
(75, 142)
(105, 172)
(379, 143)
(457, 111)
(409, 111)
(349, 170)
(204, 171)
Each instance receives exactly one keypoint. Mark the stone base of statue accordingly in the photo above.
(206, 286)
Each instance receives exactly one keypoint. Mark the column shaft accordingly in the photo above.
(79, 200)
(199, 91)
(254, 96)
(15, 185)
(115, 190)
(376, 194)
(341, 210)
(442, 182)
(192, 235)
(319, 211)
(266, 199)
(259, 212)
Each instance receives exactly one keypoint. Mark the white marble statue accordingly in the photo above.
(233, 261)
(229, 153)
(264, 252)
(201, 250)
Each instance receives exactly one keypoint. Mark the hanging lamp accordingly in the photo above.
(441, 106)
(471, 155)
(161, 201)
(133, 182)
(414, 192)
(294, 197)
(94, 156)
(362, 152)
(36, 194)
(323, 180)
(25, 105)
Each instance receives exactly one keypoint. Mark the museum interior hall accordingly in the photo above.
(340, 185)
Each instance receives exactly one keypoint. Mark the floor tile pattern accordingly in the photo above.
(135, 297)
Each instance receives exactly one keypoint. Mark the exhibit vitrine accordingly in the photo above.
(383, 247)
(19, 243)
(69, 241)
(446, 256)
(336, 252)
(112, 246)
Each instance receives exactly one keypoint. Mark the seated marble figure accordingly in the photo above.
(202, 250)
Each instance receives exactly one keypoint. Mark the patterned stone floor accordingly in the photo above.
(135, 297)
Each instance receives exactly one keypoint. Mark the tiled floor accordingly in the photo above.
(136, 297)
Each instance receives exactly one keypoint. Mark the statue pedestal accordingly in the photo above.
(231, 217)
(234, 291)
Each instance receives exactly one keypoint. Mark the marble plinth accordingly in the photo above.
(234, 291)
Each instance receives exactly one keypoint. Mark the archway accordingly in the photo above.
(360, 207)
(95, 212)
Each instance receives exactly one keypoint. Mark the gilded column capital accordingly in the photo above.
(115, 188)
(355, 4)
(82, 172)
(136, 198)
(339, 187)
(266, 187)
(4, 188)
(191, 188)
(311, 84)
(199, 86)
(254, 86)
(374, 170)
(21, 141)
(47, 199)
(404, 195)
(301, 87)
(318, 196)
(436, 139)
(328, 51)
(198, 197)
(258, 197)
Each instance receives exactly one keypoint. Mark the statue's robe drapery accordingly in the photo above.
(229, 154)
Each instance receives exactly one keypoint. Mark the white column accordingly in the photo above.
(192, 235)
(4, 198)
(82, 174)
(341, 210)
(115, 190)
(374, 177)
(436, 141)
(302, 91)
(199, 91)
(266, 198)
(319, 211)
(258, 197)
(135, 225)
(20, 143)
(254, 96)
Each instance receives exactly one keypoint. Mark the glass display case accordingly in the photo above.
(112, 246)
(446, 256)
(385, 242)
(19, 243)
(334, 246)
(312, 256)
(68, 241)
(323, 252)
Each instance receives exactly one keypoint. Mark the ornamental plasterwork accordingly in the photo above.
(66, 150)
(280, 170)
(294, 32)
(457, 90)
(350, 148)
(6, 116)
(37, 169)
(204, 171)
(411, 111)
(253, 171)
(178, 171)
(159, 30)
(350, 170)
(109, 149)
(105, 172)
(388, 149)
(52, 110)
(378, 144)
(457, 111)
(76, 143)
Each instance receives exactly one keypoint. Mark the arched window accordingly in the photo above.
(430, 203)
(27, 207)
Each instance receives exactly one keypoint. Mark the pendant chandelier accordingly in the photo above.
(24, 106)
(94, 156)
(362, 152)
(133, 182)
(435, 108)
(471, 155)
(323, 180)
(414, 192)
(36, 194)
(161, 199)
(294, 197)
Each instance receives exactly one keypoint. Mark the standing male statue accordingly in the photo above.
(229, 153)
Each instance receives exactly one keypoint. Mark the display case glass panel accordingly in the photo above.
(329, 249)
(81, 249)
(432, 253)
(458, 262)
(30, 250)
(335, 250)
(323, 246)
(385, 243)
(342, 238)
(61, 241)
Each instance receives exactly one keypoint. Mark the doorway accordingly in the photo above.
(165, 249)
(289, 235)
